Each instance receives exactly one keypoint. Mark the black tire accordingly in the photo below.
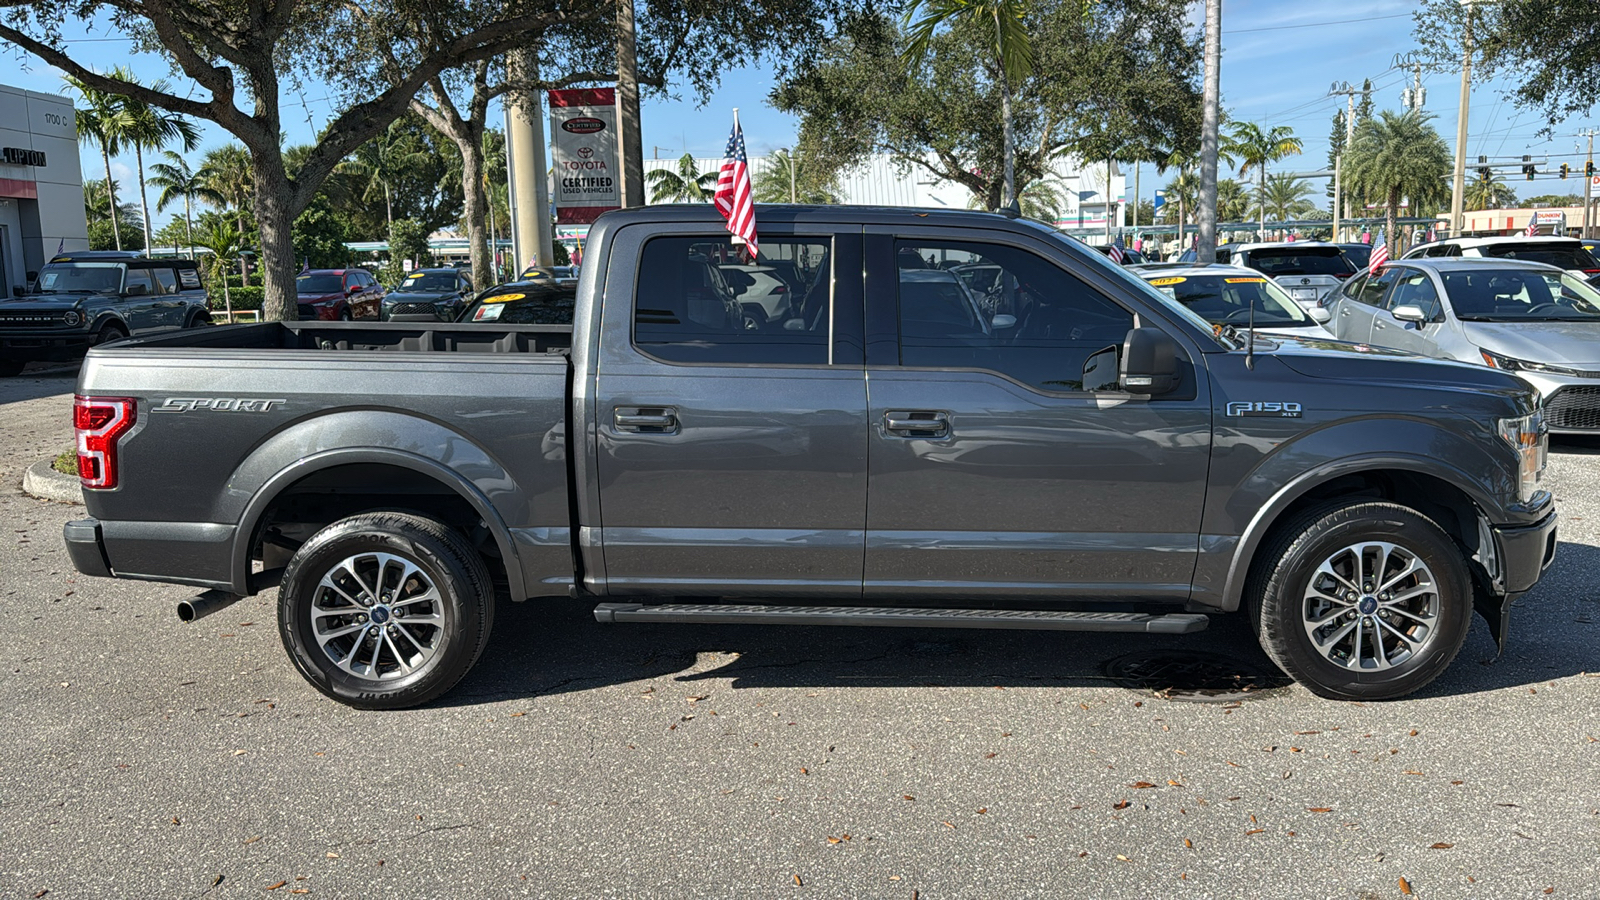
(11, 367)
(199, 319)
(107, 333)
(1435, 623)
(465, 610)
(345, 316)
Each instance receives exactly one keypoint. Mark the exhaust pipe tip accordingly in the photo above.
(205, 604)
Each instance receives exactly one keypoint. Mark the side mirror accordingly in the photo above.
(1003, 321)
(1409, 313)
(352, 289)
(1320, 315)
(1149, 362)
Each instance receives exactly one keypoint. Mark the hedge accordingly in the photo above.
(242, 297)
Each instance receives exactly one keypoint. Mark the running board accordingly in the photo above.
(901, 617)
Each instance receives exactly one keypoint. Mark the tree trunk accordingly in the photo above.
(144, 203)
(1206, 251)
(388, 208)
(1389, 235)
(476, 205)
(1262, 199)
(1010, 194)
(275, 215)
(188, 225)
(111, 196)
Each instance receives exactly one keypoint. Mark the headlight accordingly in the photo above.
(1530, 439)
(1496, 361)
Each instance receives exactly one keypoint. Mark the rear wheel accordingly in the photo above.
(107, 334)
(1364, 602)
(385, 610)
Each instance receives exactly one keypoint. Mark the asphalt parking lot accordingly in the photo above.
(146, 758)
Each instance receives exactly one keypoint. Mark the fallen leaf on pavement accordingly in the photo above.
(332, 855)
(1411, 772)
(947, 824)
(1441, 846)
(1405, 887)
(1141, 785)
(1319, 809)
(1255, 831)
(1123, 858)
(278, 885)
(1173, 783)
(1121, 804)
(1188, 844)
(797, 881)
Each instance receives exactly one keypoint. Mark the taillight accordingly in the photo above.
(100, 422)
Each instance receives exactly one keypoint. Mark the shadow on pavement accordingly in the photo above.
(38, 380)
(553, 647)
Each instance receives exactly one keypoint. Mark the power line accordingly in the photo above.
(1316, 24)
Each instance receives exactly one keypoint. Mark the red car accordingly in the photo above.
(338, 294)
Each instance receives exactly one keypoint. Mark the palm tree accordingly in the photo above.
(1490, 193)
(229, 179)
(1284, 196)
(176, 180)
(1233, 201)
(1255, 148)
(380, 161)
(787, 179)
(225, 243)
(1042, 200)
(1013, 54)
(1398, 156)
(686, 185)
(102, 121)
(150, 127)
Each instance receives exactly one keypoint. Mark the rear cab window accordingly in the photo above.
(1301, 261)
(1555, 253)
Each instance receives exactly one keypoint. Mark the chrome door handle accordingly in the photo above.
(917, 423)
(1377, 323)
(1344, 312)
(646, 420)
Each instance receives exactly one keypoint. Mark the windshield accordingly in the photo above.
(1230, 300)
(1301, 261)
(85, 277)
(319, 284)
(542, 307)
(428, 281)
(1552, 253)
(1520, 295)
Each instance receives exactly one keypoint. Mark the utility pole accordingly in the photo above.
(630, 145)
(1458, 185)
(1207, 250)
(1108, 200)
(1136, 197)
(526, 166)
(1349, 92)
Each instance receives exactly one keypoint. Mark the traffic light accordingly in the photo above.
(1528, 171)
(1565, 169)
(1484, 172)
(1588, 168)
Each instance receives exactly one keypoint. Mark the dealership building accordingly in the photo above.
(41, 184)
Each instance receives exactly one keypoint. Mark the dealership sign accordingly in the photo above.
(583, 132)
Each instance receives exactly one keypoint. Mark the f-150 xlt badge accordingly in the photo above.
(1272, 408)
(217, 404)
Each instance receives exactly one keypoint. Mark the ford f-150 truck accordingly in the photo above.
(1070, 449)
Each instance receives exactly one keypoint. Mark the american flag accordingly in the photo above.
(1119, 250)
(1431, 236)
(735, 198)
(1533, 226)
(1380, 253)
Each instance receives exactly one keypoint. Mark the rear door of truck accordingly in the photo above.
(731, 455)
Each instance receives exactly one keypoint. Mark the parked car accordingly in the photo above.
(1538, 321)
(1104, 461)
(523, 303)
(338, 294)
(1130, 256)
(1564, 252)
(558, 274)
(83, 299)
(427, 295)
(1311, 271)
(760, 291)
(1359, 254)
(1238, 297)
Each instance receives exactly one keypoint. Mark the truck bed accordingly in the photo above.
(402, 337)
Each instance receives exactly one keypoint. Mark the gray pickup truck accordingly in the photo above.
(1067, 449)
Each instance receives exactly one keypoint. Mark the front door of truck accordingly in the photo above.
(1005, 460)
(731, 454)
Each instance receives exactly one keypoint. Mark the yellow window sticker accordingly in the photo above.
(1244, 280)
(504, 298)
(1158, 282)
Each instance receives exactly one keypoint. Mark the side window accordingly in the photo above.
(351, 280)
(1416, 289)
(699, 299)
(1372, 292)
(166, 280)
(1034, 323)
(138, 283)
(1352, 288)
(189, 279)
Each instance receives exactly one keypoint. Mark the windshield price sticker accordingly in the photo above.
(1158, 282)
(1244, 280)
(487, 313)
(504, 298)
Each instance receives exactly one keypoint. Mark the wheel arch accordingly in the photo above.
(1432, 487)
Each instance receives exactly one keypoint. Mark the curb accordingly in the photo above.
(44, 482)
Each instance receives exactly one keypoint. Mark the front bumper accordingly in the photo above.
(1571, 403)
(45, 345)
(1525, 551)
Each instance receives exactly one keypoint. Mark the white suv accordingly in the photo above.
(1562, 252)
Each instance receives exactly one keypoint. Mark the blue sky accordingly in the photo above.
(1278, 63)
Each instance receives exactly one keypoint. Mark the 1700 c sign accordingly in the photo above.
(18, 156)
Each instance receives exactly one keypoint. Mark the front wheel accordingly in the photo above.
(385, 610)
(1366, 602)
